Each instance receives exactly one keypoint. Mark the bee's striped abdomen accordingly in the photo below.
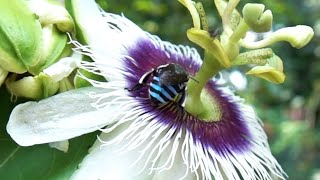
(161, 94)
(168, 84)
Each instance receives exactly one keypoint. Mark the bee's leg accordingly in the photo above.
(183, 97)
(135, 87)
(181, 100)
(143, 81)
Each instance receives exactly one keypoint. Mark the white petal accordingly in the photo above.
(57, 118)
(177, 171)
(106, 162)
(63, 67)
(102, 30)
(60, 145)
(112, 161)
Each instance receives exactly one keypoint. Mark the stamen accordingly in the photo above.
(203, 17)
(190, 5)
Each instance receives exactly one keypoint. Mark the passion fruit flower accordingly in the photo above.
(215, 135)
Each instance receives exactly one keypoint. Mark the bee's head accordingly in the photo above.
(173, 74)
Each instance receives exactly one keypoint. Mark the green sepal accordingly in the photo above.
(80, 82)
(54, 47)
(32, 87)
(52, 12)
(69, 5)
(65, 85)
(3, 75)
(79, 11)
(20, 36)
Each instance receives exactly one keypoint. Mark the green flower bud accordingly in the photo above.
(20, 36)
(3, 75)
(50, 12)
(54, 47)
(30, 38)
(258, 20)
(37, 87)
(54, 19)
(33, 38)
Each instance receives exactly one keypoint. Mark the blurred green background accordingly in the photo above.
(289, 111)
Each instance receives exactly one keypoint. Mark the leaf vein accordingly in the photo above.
(10, 155)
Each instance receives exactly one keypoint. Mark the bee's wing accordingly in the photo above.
(168, 78)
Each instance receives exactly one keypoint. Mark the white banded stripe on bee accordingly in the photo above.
(161, 94)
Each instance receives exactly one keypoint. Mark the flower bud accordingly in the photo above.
(20, 36)
(31, 38)
(3, 75)
(52, 13)
(33, 87)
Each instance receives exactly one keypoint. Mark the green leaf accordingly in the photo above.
(37, 162)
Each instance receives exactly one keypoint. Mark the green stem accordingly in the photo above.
(232, 47)
(240, 32)
(196, 104)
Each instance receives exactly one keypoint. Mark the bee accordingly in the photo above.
(168, 84)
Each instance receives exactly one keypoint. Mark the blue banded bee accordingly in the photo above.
(169, 83)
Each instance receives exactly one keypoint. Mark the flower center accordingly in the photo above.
(199, 102)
